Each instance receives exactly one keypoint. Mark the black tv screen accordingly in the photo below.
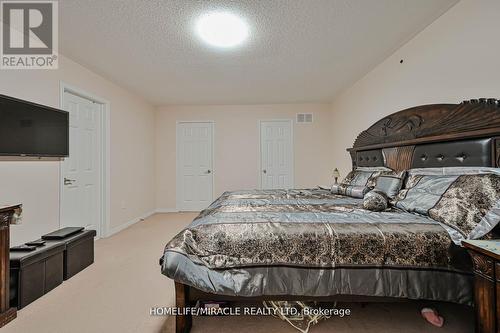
(29, 129)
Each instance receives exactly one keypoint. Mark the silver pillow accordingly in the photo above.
(365, 176)
(350, 190)
(390, 184)
(375, 201)
(470, 205)
(466, 201)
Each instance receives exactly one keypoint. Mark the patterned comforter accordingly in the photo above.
(312, 242)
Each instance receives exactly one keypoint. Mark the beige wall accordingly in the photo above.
(237, 156)
(36, 184)
(455, 58)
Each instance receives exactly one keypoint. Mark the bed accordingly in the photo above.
(311, 244)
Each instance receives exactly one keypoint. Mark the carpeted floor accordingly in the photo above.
(373, 318)
(117, 292)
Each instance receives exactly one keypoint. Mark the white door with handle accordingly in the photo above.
(81, 171)
(194, 165)
(276, 141)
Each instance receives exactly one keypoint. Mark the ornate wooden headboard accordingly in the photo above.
(466, 134)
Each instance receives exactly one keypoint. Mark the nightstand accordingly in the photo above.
(485, 256)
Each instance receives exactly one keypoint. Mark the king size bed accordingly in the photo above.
(438, 166)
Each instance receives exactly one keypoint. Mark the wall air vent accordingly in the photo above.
(304, 117)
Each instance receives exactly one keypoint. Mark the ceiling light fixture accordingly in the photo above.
(222, 29)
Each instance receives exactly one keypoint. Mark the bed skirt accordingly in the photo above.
(407, 283)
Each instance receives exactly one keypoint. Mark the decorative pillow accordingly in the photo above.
(364, 176)
(422, 192)
(375, 201)
(350, 190)
(468, 203)
(390, 184)
(471, 205)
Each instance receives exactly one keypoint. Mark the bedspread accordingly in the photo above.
(312, 242)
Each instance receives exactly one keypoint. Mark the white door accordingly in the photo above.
(81, 171)
(194, 165)
(276, 140)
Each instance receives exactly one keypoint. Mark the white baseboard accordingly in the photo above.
(166, 210)
(125, 225)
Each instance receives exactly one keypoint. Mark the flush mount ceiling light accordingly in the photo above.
(222, 29)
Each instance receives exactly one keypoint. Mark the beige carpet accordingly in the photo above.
(373, 318)
(116, 294)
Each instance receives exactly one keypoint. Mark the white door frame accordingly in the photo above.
(177, 159)
(104, 223)
(292, 166)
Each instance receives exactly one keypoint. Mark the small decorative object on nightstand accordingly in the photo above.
(336, 174)
(485, 256)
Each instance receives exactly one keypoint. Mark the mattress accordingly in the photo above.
(310, 242)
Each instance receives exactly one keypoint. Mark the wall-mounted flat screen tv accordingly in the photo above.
(29, 129)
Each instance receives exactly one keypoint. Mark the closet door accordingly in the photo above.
(276, 141)
(194, 165)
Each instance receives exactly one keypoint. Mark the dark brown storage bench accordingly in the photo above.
(78, 251)
(35, 273)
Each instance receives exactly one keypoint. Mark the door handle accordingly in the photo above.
(264, 171)
(209, 171)
(68, 181)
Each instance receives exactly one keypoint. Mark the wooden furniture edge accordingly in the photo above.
(432, 123)
(183, 323)
(486, 268)
(430, 139)
(4, 209)
(7, 313)
(8, 316)
(480, 250)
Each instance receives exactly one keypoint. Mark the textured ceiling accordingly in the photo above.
(298, 51)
